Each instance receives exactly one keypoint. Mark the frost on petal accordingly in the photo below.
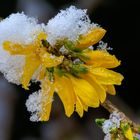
(69, 23)
(17, 28)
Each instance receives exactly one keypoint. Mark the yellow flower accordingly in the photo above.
(36, 55)
(80, 84)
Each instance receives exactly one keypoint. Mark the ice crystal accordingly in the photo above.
(69, 23)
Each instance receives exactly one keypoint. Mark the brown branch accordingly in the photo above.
(112, 108)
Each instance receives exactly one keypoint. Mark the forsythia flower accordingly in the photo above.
(59, 56)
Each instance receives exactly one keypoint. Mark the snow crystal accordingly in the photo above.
(17, 28)
(112, 122)
(63, 50)
(107, 126)
(116, 118)
(33, 105)
(107, 137)
(77, 61)
(69, 23)
(103, 46)
(13, 68)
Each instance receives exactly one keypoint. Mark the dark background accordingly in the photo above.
(121, 20)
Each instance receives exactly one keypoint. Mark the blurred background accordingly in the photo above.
(121, 20)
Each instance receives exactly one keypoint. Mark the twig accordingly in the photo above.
(112, 108)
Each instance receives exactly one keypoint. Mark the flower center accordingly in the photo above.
(71, 63)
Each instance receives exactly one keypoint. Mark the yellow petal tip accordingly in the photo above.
(91, 38)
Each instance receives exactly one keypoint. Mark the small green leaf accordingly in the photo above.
(100, 122)
(135, 138)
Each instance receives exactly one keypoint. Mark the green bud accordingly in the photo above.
(77, 69)
(71, 46)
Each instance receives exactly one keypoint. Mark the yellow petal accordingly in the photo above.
(18, 49)
(42, 73)
(47, 97)
(128, 134)
(65, 92)
(79, 107)
(85, 92)
(97, 87)
(100, 59)
(32, 62)
(22, 49)
(110, 89)
(91, 38)
(85, 107)
(50, 61)
(106, 77)
(41, 36)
